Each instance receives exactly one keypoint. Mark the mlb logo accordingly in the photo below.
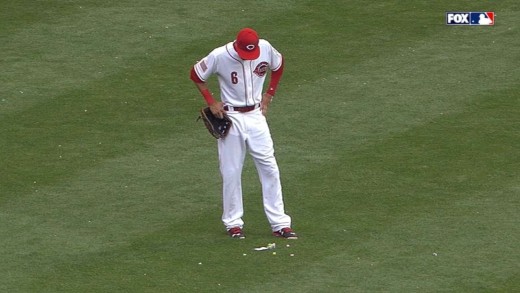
(482, 18)
(470, 18)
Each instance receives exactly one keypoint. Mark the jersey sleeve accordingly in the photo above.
(205, 67)
(276, 59)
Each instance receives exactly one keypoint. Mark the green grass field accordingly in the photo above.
(398, 140)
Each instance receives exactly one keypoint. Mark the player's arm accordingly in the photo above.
(215, 106)
(276, 75)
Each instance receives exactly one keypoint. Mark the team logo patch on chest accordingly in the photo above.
(261, 69)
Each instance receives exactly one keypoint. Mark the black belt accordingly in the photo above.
(241, 109)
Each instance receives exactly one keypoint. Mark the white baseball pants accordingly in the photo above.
(250, 133)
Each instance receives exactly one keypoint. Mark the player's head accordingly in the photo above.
(246, 44)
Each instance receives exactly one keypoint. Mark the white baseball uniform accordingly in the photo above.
(241, 85)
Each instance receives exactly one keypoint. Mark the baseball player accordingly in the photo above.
(241, 67)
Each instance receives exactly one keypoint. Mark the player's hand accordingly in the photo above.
(266, 100)
(217, 109)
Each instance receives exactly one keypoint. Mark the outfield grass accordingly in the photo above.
(397, 138)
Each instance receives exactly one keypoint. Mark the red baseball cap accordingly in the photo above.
(246, 44)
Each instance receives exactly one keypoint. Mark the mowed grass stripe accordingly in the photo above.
(454, 155)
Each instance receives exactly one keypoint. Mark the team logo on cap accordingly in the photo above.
(261, 69)
(250, 47)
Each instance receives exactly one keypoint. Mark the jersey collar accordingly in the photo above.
(232, 52)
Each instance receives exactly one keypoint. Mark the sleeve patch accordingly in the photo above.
(203, 66)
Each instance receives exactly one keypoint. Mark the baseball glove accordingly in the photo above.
(217, 127)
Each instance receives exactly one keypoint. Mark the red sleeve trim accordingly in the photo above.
(194, 76)
(275, 79)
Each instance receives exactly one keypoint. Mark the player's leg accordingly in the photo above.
(232, 150)
(262, 150)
